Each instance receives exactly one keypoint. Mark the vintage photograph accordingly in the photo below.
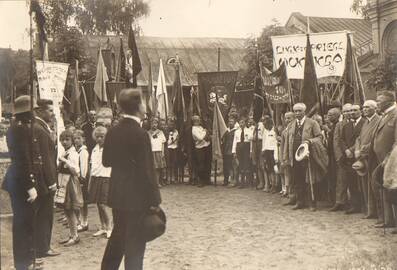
(198, 134)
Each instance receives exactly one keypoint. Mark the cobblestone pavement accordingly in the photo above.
(227, 228)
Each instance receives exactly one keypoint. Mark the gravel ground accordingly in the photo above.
(226, 228)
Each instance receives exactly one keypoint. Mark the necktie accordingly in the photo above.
(242, 135)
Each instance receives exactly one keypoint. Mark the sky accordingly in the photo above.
(190, 18)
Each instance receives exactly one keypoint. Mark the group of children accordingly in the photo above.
(82, 180)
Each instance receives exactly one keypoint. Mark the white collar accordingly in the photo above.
(358, 119)
(372, 117)
(390, 108)
(302, 121)
(133, 117)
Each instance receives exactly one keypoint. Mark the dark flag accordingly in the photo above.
(75, 107)
(120, 76)
(133, 60)
(149, 97)
(353, 90)
(258, 102)
(309, 91)
(179, 102)
(40, 22)
(277, 86)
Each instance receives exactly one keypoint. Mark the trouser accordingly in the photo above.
(386, 213)
(299, 178)
(368, 195)
(203, 164)
(125, 241)
(353, 184)
(22, 231)
(44, 222)
(227, 167)
(332, 180)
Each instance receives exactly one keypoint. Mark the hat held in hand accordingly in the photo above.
(302, 152)
(153, 224)
(360, 167)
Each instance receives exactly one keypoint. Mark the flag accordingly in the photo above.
(40, 22)
(277, 86)
(259, 100)
(133, 60)
(75, 106)
(100, 80)
(218, 130)
(150, 89)
(352, 87)
(120, 76)
(309, 91)
(161, 94)
(178, 100)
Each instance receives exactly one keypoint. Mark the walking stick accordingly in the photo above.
(311, 179)
(383, 209)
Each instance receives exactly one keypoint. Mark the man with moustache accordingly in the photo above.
(385, 139)
(361, 153)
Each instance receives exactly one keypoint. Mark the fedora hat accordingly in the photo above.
(153, 225)
(22, 104)
(360, 167)
(302, 152)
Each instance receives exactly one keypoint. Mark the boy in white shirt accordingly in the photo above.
(158, 140)
(270, 155)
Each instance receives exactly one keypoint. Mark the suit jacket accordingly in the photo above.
(19, 177)
(127, 150)
(311, 129)
(44, 156)
(385, 136)
(363, 141)
(283, 149)
(338, 152)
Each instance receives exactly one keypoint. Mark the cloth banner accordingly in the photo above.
(277, 86)
(51, 77)
(212, 86)
(329, 53)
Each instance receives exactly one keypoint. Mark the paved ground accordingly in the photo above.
(225, 228)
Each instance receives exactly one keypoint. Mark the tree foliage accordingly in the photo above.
(384, 76)
(360, 7)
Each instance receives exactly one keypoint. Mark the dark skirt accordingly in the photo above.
(159, 160)
(98, 190)
(243, 156)
(172, 158)
(269, 162)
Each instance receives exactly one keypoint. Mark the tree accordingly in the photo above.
(360, 7)
(101, 16)
(384, 75)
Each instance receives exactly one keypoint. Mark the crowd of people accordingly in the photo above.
(338, 158)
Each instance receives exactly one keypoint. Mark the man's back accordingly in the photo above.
(127, 150)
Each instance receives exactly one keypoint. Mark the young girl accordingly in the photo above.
(69, 185)
(158, 139)
(99, 183)
(79, 144)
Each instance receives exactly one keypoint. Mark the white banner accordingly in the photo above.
(329, 53)
(52, 78)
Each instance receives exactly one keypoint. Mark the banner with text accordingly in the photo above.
(51, 77)
(277, 86)
(329, 53)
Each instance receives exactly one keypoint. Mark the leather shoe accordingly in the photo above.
(49, 253)
(35, 267)
(394, 231)
(337, 207)
(313, 209)
(297, 206)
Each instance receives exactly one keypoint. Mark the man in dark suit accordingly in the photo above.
(350, 132)
(133, 188)
(44, 156)
(385, 139)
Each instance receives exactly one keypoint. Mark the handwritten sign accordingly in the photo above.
(51, 77)
(329, 53)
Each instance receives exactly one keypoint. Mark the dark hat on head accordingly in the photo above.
(22, 104)
(153, 225)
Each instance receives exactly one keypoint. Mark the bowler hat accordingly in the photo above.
(302, 152)
(22, 104)
(361, 167)
(153, 224)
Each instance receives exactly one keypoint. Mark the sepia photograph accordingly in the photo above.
(198, 134)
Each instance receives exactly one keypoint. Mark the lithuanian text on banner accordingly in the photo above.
(329, 53)
(52, 78)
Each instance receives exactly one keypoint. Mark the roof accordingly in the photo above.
(361, 28)
(195, 54)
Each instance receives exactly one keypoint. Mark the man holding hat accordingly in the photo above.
(301, 130)
(361, 153)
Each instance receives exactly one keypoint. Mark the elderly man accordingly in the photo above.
(385, 139)
(333, 119)
(289, 117)
(361, 153)
(301, 130)
(341, 189)
(350, 132)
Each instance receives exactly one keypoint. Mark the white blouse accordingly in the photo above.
(97, 168)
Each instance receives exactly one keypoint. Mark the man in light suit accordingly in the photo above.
(362, 146)
(133, 188)
(301, 130)
(385, 139)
